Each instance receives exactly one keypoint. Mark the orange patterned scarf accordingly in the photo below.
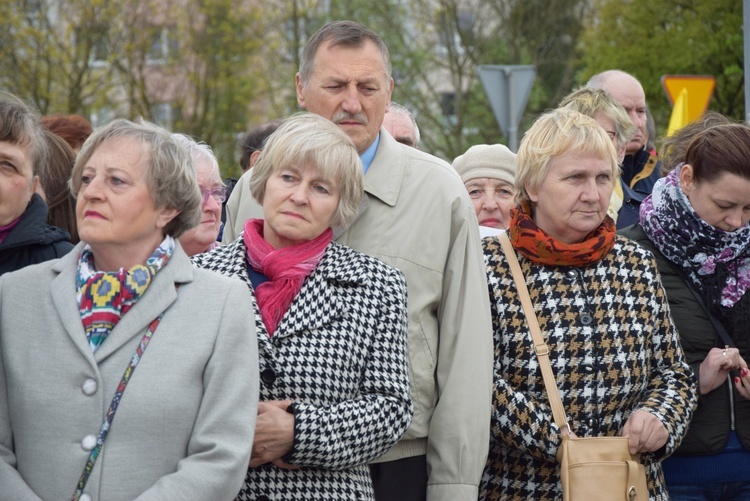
(536, 245)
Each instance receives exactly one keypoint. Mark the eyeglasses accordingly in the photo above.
(219, 194)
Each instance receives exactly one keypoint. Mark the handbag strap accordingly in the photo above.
(104, 430)
(540, 347)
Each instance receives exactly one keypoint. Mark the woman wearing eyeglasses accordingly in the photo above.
(203, 237)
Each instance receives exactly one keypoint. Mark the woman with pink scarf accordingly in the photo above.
(331, 322)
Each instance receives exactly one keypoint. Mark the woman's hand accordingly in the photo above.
(645, 432)
(716, 367)
(742, 383)
(274, 434)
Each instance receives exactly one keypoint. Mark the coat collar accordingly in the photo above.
(159, 296)
(322, 289)
(385, 176)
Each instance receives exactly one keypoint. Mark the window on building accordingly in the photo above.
(163, 45)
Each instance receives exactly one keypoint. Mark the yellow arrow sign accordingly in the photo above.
(679, 114)
(699, 90)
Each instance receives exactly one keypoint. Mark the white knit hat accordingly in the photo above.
(495, 161)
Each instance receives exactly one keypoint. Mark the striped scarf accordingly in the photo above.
(105, 296)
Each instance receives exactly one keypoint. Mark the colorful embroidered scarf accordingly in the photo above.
(716, 261)
(286, 269)
(540, 247)
(105, 296)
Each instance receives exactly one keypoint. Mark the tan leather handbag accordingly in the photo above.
(591, 468)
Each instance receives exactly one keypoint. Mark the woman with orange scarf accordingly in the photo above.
(602, 311)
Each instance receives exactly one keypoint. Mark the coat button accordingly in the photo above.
(85, 497)
(588, 368)
(586, 319)
(89, 387)
(268, 376)
(263, 498)
(572, 273)
(88, 443)
(591, 423)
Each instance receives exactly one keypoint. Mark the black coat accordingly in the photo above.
(711, 423)
(32, 240)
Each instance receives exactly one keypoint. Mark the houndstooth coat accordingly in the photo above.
(339, 353)
(613, 349)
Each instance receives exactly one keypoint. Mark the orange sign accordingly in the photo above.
(699, 90)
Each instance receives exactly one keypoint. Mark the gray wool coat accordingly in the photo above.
(184, 427)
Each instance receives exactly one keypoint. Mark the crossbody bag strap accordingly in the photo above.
(540, 347)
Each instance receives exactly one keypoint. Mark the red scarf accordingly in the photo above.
(286, 269)
(538, 246)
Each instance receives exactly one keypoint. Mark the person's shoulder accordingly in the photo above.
(433, 176)
(214, 286)
(358, 265)
(633, 253)
(31, 274)
(216, 257)
(62, 247)
(430, 165)
(203, 276)
(633, 232)
(417, 162)
(626, 244)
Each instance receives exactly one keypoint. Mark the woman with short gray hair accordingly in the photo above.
(185, 417)
(202, 238)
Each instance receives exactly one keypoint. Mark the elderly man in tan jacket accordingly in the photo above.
(417, 217)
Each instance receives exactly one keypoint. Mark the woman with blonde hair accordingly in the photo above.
(331, 322)
(602, 311)
(613, 118)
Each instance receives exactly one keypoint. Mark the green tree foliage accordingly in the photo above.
(222, 45)
(212, 68)
(48, 50)
(650, 38)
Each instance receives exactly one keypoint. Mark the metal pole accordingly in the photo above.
(746, 37)
(512, 129)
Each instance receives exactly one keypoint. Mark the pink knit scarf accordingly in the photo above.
(286, 269)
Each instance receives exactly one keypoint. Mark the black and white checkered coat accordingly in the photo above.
(339, 353)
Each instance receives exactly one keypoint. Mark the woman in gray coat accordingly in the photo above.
(126, 373)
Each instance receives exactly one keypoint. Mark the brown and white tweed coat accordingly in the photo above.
(613, 349)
